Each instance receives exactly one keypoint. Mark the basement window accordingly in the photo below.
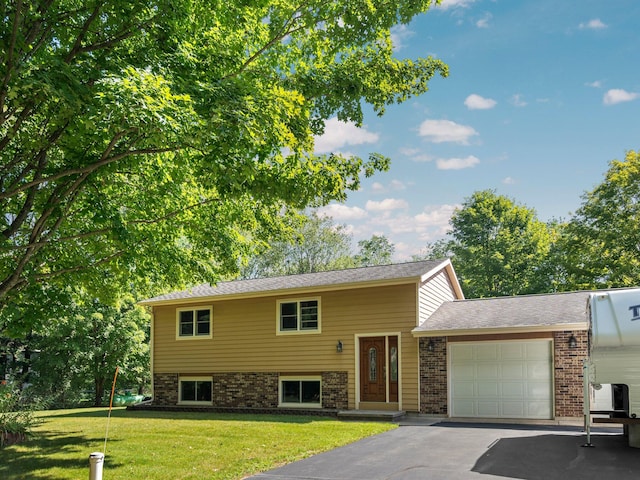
(195, 391)
(302, 392)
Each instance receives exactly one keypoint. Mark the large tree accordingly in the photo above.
(499, 247)
(318, 245)
(600, 244)
(79, 348)
(156, 142)
(377, 250)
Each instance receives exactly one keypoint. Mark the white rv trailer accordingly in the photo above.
(614, 357)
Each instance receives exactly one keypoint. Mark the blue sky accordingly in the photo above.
(541, 96)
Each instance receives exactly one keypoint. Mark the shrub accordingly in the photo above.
(17, 415)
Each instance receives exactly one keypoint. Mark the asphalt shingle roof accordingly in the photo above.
(381, 273)
(504, 312)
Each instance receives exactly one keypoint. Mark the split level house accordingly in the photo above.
(395, 337)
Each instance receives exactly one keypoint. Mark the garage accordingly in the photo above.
(501, 379)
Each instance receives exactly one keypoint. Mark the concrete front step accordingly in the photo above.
(389, 416)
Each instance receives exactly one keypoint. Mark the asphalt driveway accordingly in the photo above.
(459, 451)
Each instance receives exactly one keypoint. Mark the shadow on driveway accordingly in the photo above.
(455, 451)
(557, 456)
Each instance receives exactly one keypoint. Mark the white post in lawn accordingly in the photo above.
(96, 460)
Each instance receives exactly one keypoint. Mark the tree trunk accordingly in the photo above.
(99, 384)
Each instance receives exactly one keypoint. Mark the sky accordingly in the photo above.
(541, 96)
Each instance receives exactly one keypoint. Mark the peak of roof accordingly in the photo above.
(360, 275)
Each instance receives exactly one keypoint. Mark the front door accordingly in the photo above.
(373, 372)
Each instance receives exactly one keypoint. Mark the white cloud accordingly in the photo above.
(339, 134)
(440, 131)
(596, 84)
(409, 152)
(617, 95)
(416, 154)
(508, 181)
(457, 163)
(386, 205)
(484, 21)
(397, 185)
(518, 101)
(594, 24)
(447, 4)
(476, 102)
(436, 216)
(394, 185)
(342, 213)
(408, 232)
(432, 222)
(377, 187)
(399, 34)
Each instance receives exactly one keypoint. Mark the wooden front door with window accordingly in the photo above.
(379, 369)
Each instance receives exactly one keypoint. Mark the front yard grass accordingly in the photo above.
(173, 445)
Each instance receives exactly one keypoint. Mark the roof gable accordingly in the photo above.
(348, 278)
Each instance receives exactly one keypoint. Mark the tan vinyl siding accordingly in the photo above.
(245, 339)
(434, 292)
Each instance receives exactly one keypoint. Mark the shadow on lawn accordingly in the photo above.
(41, 452)
(190, 415)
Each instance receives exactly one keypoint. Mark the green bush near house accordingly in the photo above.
(17, 415)
(170, 445)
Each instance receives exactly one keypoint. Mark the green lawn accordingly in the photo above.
(170, 445)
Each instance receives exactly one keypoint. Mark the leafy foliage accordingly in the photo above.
(154, 143)
(318, 245)
(378, 250)
(601, 242)
(80, 350)
(17, 414)
(499, 247)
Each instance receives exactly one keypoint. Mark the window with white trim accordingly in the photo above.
(300, 392)
(299, 315)
(194, 322)
(195, 390)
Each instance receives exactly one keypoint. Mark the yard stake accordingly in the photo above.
(113, 389)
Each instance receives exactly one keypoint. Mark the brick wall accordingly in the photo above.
(251, 390)
(335, 390)
(567, 364)
(433, 376)
(568, 373)
(254, 390)
(165, 389)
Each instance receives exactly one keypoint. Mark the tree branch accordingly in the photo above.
(9, 59)
(78, 268)
(287, 29)
(102, 231)
(105, 159)
(83, 32)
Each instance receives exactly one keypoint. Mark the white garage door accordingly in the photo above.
(509, 379)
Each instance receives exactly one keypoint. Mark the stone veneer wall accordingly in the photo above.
(433, 376)
(335, 390)
(251, 390)
(568, 373)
